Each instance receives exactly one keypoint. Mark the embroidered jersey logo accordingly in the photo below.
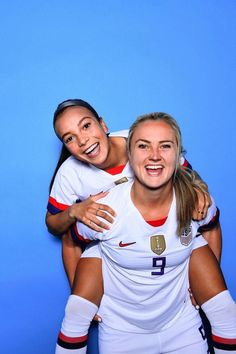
(121, 244)
(186, 236)
(121, 180)
(158, 244)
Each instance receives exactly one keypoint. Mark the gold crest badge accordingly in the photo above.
(121, 180)
(158, 244)
(186, 236)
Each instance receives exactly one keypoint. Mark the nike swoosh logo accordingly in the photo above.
(121, 244)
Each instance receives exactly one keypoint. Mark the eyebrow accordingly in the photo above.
(63, 136)
(161, 142)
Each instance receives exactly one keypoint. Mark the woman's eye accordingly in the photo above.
(68, 140)
(86, 125)
(165, 146)
(142, 146)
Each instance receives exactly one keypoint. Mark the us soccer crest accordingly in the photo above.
(158, 244)
(186, 236)
(121, 180)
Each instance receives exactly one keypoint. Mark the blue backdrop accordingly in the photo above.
(126, 58)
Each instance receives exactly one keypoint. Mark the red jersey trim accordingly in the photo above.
(156, 223)
(57, 205)
(76, 236)
(115, 170)
(223, 340)
(72, 339)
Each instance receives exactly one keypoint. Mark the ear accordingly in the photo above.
(103, 124)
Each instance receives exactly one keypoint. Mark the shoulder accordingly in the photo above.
(72, 164)
(72, 173)
(121, 133)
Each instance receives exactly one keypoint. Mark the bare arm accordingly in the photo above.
(203, 197)
(213, 236)
(59, 223)
(214, 239)
(86, 212)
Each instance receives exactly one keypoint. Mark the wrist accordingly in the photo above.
(71, 213)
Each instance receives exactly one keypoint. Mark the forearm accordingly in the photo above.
(214, 239)
(59, 223)
(85, 212)
(70, 254)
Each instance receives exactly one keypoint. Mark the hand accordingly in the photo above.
(194, 302)
(203, 203)
(88, 210)
(97, 318)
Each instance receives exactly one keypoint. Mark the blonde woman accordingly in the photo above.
(146, 254)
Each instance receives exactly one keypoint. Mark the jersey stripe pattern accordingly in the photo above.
(224, 343)
(72, 342)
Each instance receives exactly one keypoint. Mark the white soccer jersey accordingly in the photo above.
(145, 268)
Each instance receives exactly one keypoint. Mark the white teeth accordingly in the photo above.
(91, 148)
(152, 167)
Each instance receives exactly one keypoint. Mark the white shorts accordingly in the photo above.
(185, 336)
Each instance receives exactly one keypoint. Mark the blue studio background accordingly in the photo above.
(126, 58)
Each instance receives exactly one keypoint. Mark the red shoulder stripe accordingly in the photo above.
(57, 205)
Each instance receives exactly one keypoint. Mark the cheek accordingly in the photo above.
(137, 165)
(173, 163)
(171, 160)
(71, 148)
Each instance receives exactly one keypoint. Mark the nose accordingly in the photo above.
(82, 139)
(155, 154)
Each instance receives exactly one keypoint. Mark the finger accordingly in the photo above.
(198, 215)
(104, 216)
(201, 208)
(104, 207)
(194, 302)
(204, 212)
(201, 214)
(100, 224)
(206, 207)
(195, 215)
(97, 225)
(97, 318)
(98, 196)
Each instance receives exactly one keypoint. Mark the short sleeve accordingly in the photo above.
(62, 194)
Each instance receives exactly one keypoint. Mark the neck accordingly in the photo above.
(117, 154)
(152, 203)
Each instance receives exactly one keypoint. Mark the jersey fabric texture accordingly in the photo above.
(145, 268)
